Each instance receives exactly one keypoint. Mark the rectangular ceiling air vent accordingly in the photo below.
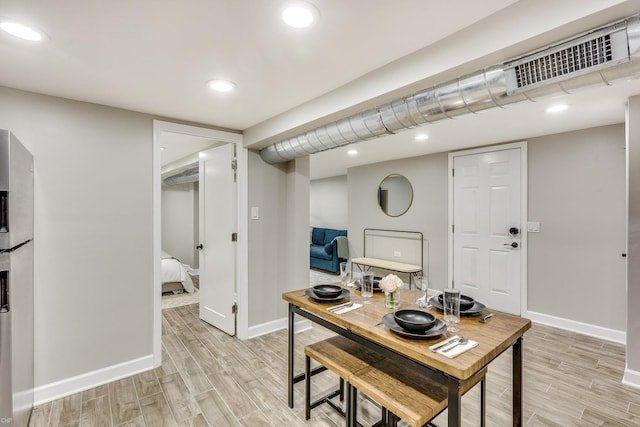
(570, 59)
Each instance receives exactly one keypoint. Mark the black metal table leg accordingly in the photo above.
(454, 403)
(483, 401)
(517, 383)
(291, 346)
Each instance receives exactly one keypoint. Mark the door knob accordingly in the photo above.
(199, 247)
(512, 244)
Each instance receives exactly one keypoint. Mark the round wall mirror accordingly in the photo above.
(395, 195)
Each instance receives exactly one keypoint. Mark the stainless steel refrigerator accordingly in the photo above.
(16, 282)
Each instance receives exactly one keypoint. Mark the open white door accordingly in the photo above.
(487, 219)
(217, 195)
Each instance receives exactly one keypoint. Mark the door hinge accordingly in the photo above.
(452, 284)
(453, 172)
(234, 167)
(234, 237)
(234, 308)
(453, 228)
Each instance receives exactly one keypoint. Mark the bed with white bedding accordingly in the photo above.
(174, 274)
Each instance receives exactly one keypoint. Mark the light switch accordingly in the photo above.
(533, 227)
(397, 254)
(255, 212)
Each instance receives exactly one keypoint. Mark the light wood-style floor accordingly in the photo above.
(210, 379)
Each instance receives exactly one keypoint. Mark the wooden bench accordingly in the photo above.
(403, 393)
(407, 394)
(341, 356)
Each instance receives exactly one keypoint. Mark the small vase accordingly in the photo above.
(392, 299)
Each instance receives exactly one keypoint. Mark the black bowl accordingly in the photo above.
(465, 302)
(327, 291)
(414, 320)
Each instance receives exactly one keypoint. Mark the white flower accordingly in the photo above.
(390, 283)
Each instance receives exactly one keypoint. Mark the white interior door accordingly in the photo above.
(487, 227)
(217, 195)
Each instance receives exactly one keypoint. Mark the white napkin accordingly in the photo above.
(458, 349)
(347, 309)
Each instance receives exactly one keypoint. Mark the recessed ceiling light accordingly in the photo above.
(352, 152)
(421, 137)
(21, 31)
(557, 108)
(299, 15)
(221, 85)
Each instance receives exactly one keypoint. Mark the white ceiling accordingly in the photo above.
(156, 57)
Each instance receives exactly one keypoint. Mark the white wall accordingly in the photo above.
(632, 371)
(427, 214)
(576, 191)
(328, 202)
(93, 233)
(180, 222)
(278, 241)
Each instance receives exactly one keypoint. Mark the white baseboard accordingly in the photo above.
(619, 337)
(66, 387)
(276, 325)
(631, 378)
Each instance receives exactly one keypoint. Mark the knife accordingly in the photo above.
(446, 343)
(339, 307)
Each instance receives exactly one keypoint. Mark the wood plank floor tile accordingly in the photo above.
(96, 412)
(197, 350)
(66, 411)
(192, 375)
(41, 415)
(619, 419)
(235, 398)
(198, 421)
(156, 411)
(255, 419)
(180, 399)
(146, 384)
(92, 393)
(167, 367)
(124, 401)
(136, 422)
(215, 410)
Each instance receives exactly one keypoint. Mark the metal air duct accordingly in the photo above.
(184, 177)
(602, 56)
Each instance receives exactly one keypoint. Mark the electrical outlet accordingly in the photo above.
(397, 254)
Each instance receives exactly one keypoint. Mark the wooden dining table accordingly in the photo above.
(363, 325)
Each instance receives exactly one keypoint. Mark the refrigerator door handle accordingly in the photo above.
(4, 211)
(4, 291)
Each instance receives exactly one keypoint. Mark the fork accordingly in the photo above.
(485, 318)
(461, 341)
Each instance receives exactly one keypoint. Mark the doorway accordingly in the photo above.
(163, 129)
(487, 225)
